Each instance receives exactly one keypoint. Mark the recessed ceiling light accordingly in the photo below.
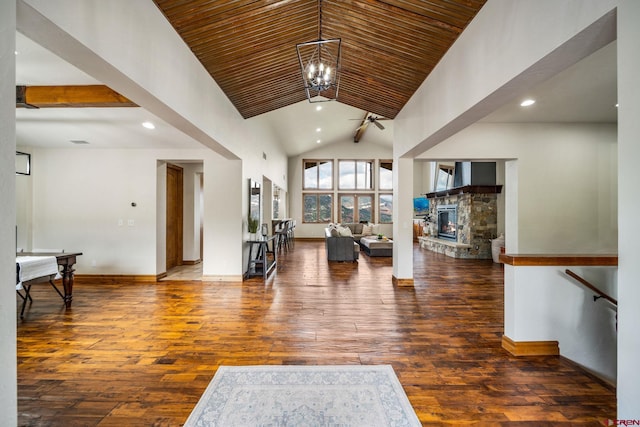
(527, 102)
(318, 107)
(149, 125)
(318, 129)
(616, 105)
(318, 141)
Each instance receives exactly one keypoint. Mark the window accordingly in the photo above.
(355, 174)
(318, 175)
(276, 202)
(356, 208)
(444, 177)
(360, 185)
(386, 208)
(318, 207)
(385, 175)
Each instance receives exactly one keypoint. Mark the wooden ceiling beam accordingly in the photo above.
(70, 97)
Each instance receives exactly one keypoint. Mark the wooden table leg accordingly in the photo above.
(67, 280)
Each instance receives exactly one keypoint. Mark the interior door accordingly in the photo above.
(174, 216)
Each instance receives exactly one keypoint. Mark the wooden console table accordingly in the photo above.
(66, 261)
(262, 259)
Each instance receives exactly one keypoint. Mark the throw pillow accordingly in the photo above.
(367, 230)
(334, 232)
(357, 228)
(375, 229)
(344, 231)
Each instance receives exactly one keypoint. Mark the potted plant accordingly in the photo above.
(252, 224)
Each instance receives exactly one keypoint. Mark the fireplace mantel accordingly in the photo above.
(471, 189)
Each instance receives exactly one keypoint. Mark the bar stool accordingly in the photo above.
(282, 236)
(290, 235)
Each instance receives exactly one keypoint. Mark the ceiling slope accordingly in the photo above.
(388, 47)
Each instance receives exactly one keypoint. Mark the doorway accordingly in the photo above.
(174, 216)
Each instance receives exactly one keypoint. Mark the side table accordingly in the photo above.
(262, 257)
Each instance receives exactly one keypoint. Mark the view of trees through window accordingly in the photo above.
(356, 208)
(318, 207)
(358, 205)
(386, 208)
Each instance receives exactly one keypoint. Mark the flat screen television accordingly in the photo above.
(420, 206)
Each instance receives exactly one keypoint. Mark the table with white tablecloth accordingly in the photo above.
(30, 266)
(34, 267)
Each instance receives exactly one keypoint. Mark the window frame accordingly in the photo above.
(380, 163)
(369, 162)
(380, 210)
(318, 162)
(317, 195)
(356, 212)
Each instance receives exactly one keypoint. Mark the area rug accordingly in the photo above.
(301, 396)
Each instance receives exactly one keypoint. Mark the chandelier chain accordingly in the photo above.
(319, 19)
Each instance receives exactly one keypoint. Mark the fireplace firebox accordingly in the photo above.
(447, 222)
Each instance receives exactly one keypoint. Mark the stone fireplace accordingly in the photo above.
(462, 221)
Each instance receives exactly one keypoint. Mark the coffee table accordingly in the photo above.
(373, 246)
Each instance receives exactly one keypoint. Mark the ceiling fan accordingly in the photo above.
(368, 119)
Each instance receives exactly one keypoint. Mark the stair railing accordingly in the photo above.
(593, 288)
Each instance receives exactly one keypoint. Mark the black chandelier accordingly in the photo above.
(320, 65)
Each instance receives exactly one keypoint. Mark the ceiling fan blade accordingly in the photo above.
(375, 122)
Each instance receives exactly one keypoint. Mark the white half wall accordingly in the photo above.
(565, 311)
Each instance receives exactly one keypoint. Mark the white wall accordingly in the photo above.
(225, 195)
(629, 175)
(8, 374)
(341, 150)
(93, 214)
(82, 202)
(566, 187)
(191, 211)
(565, 311)
(422, 177)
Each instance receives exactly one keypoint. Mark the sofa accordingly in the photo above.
(340, 247)
(356, 229)
(359, 230)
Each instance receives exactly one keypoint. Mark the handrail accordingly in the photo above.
(592, 287)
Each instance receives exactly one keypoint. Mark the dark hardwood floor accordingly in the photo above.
(132, 354)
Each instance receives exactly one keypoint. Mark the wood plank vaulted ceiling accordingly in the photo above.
(388, 47)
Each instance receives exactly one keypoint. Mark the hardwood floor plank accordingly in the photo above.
(141, 354)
